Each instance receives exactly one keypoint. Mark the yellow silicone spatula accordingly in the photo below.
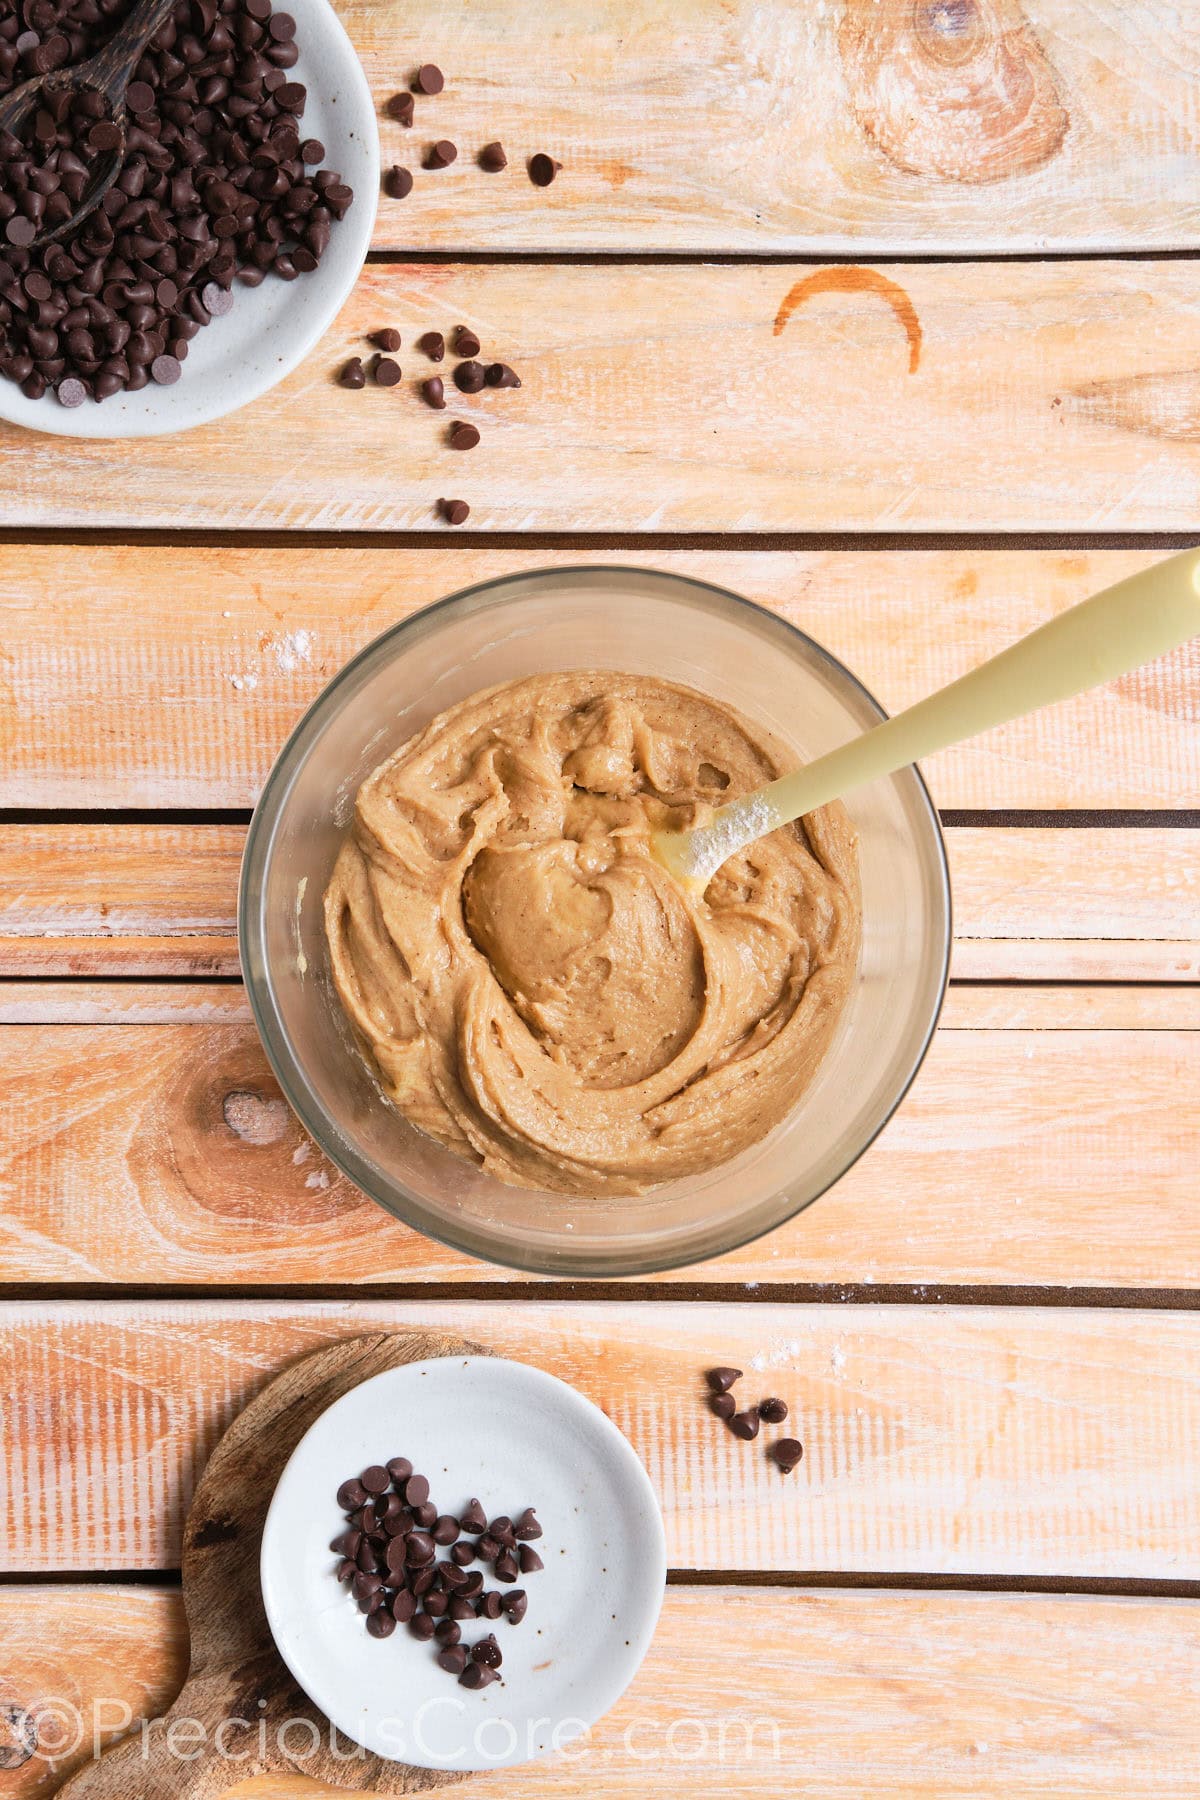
(1101, 638)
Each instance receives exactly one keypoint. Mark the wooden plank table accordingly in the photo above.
(884, 315)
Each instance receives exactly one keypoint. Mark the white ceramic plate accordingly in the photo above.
(514, 1437)
(272, 327)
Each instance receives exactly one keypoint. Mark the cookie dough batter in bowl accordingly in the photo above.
(490, 1007)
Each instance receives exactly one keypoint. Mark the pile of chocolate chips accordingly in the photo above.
(389, 1555)
(217, 183)
(785, 1452)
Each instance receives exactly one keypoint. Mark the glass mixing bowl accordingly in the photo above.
(587, 618)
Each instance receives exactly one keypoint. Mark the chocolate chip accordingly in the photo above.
(419, 1546)
(166, 370)
(721, 1380)
(422, 1626)
(488, 1547)
(347, 1544)
(787, 1452)
(473, 1585)
(387, 339)
(487, 1651)
(506, 1566)
(365, 1584)
(744, 1425)
(436, 1603)
(499, 375)
(381, 1624)
(463, 436)
(416, 1490)
(489, 1605)
(465, 342)
(527, 1526)
(492, 158)
(441, 154)
(139, 96)
(468, 377)
(772, 1411)
(516, 1605)
(429, 79)
(477, 1675)
(399, 1469)
(71, 392)
(448, 1631)
(457, 512)
(400, 107)
(529, 1560)
(376, 1479)
(453, 1659)
(386, 373)
(434, 345)
(445, 1529)
(398, 183)
(543, 169)
(460, 1607)
(724, 1405)
(312, 150)
(404, 1606)
(452, 1576)
(216, 300)
(425, 1515)
(434, 392)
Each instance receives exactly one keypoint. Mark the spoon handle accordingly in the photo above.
(111, 68)
(1115, 631)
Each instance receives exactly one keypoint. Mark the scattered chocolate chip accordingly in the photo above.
(461, 1607)
(434, 392)
(453, 1659)
(425, 1515)
(166, 370)
(492, 158)
(422, 1626)
(516, 1605)
(457, 512)
(445, 1529)
(465, 342)
(543, 169)
(721, 1380)
(399, 1469)
(489, 1605)
(436, 1602)
(506, 1566)
(434, 345)
(499, 375)
(216, 300)
(477, 1675)
(787, 1452)
(473, 1585)
(312, 150)
(468, 377)
(744, 1425)
(398, 183)
(400, 107)
(441, 154)
(385, 373)
(772, 1411)
(487, 1651)
(346, 1570)
(416, 1490)
(404, 1605)
(419, 1548)
(429, 79)
(488, 1547)
(448, 1631)
(71, 392)
(381, 1624)
(463, 436)
(724, 1405)
(529, 1560)
(527, 1526)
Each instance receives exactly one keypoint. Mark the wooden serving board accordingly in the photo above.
(236, 1673)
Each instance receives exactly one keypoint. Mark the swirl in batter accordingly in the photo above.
(534, 989)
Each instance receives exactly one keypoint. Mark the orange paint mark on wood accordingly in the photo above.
(856, 280)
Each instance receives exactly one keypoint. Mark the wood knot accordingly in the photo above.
(255, 1118)
(960, 89)
(18, 1736)
(214, 1531)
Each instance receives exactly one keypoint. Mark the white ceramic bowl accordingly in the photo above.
(272, 327)
(514, 1437)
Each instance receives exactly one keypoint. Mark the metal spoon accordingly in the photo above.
(109, 73)
(1115, 631)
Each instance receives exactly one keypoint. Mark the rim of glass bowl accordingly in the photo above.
(384, 1189)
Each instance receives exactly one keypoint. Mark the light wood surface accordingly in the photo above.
(1049, 126)
(946, 1696)
(972, 1440)
(1049, 396)
(118, 687)
(1079, 904)
(156, 1147)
